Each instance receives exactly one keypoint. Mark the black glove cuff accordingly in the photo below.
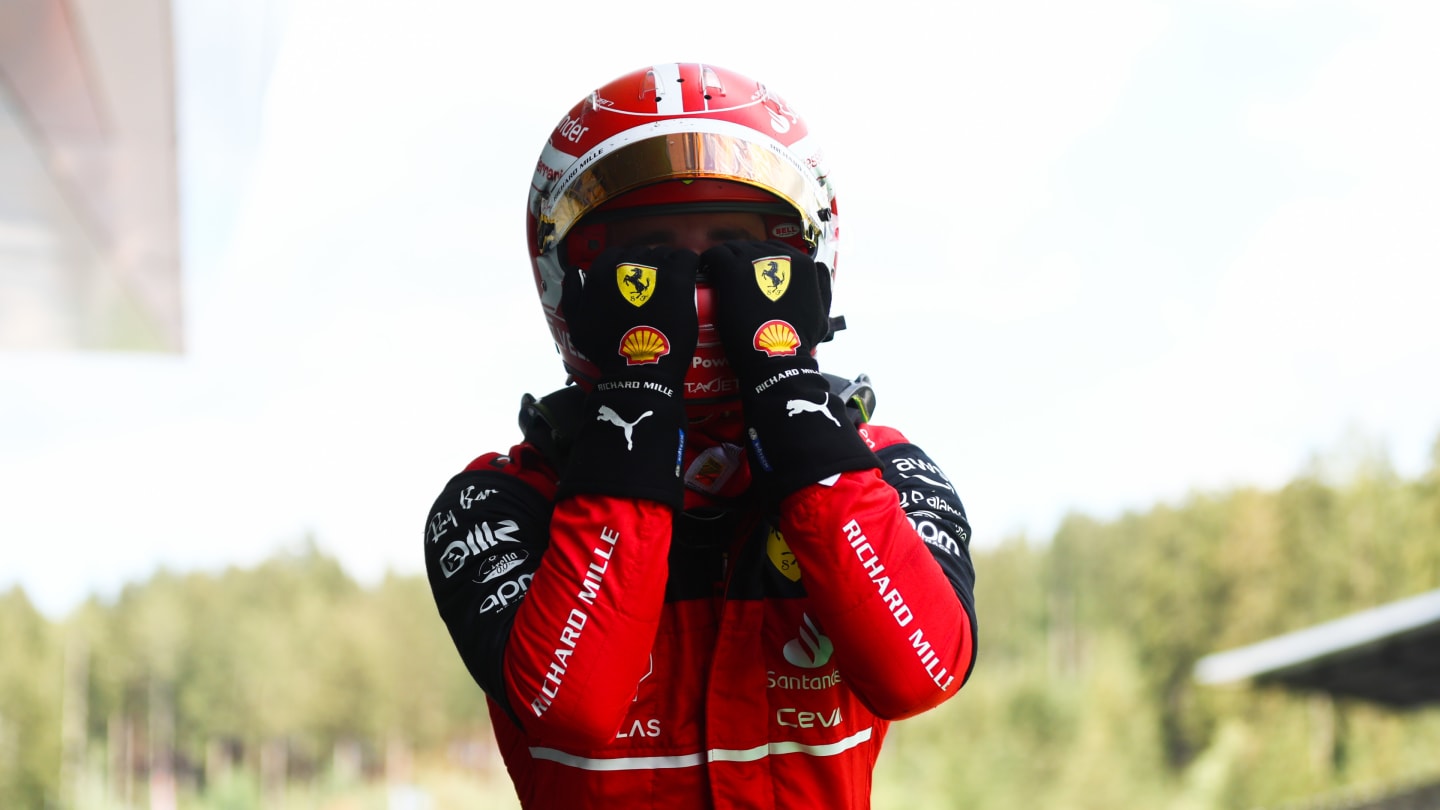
(799, 433)
(629, 445)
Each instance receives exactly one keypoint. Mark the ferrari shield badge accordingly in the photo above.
(636, 282)
(781, 556)
(773, 275)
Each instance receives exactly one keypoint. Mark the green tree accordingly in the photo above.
(30, 676)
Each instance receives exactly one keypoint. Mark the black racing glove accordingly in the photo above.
(633, 315)
(772, 308)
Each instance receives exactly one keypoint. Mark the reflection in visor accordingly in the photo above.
(678, 156)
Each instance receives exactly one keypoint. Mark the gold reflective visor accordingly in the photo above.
(678, 156)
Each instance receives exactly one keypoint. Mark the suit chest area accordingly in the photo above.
(739, 660)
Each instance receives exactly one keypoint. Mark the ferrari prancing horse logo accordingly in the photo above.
(636, 282)
(772, 273)
(781, 556)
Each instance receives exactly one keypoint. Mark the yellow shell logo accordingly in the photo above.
(636, 282)
(642, 345)
(776, 339)
(772, 273)
(780, 554)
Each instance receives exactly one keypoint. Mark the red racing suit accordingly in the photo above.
(725, 657)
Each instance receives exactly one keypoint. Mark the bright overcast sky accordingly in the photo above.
(1095, 256)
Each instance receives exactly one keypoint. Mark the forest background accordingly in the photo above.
(288, 684)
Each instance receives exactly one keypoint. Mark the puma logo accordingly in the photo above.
(607, 414)
(795, 406)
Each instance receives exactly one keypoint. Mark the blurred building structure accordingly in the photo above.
(1389, 655)
(89, 201)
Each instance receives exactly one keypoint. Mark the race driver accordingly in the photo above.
(703, 578)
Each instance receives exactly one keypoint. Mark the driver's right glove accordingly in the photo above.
(633, 315)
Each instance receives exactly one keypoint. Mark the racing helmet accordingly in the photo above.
(668, 138)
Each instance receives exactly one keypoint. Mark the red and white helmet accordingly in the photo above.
(676, 134)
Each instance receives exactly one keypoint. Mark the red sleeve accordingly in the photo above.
(902, 633)
(581, 640)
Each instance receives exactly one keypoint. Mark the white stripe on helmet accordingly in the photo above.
(669, 100)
